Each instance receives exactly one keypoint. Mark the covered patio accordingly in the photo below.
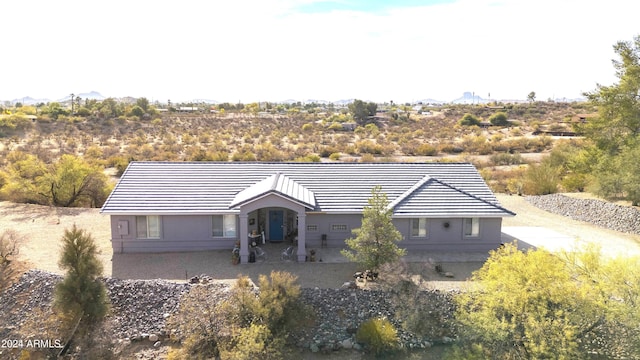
(275, 208)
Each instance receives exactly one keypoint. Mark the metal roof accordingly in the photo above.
(280, 185)
(413, 189)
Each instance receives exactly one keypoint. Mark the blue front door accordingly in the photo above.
(276, 222)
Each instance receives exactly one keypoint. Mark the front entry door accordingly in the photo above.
(276, 225)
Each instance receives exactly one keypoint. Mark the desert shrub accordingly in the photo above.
(379, 335)
(268, 152)
(197, 324)
(450, 148)
(308, 158)
(574, 182)
(367, 158)
(280, 308)
(476, 144)
(10, 242)
(248, 324)
(541, 179)
(326, 151)
(506, 159)
(335, 126)
(369, 147)
(426, 150)
(334, 156)
(469, 120)
(499, 119)
(252, 342)
(80, 293)
(308, 127)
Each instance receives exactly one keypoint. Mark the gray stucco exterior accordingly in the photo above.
(157, 208)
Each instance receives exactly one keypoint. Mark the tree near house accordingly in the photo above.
(616, 130)
(375, 242)
(80, 294)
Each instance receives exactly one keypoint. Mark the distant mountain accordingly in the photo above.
(430, 101)
(469, 98)
(309, 101)
(344, 101)
(28, 100)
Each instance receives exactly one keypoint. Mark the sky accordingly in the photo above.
(274, 50)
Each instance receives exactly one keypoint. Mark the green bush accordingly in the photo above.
(379, 335)
(253, 342)
(499, 119)
(469, 120)
(541, 179)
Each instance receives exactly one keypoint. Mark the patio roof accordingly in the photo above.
(276, 184)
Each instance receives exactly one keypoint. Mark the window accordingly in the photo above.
(471, 227)
(312, 228)
(148, 227)
(419, 227)
(224, 226)
(339, 227)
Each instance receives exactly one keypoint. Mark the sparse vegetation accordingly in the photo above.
(10, 243)
(250, 323)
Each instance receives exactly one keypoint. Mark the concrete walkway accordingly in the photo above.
(330, 270)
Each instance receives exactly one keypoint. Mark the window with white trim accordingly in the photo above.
(419, 227)
(148, 227)
(472, 227)
(224, 226)
(312, 228)
(339, 227)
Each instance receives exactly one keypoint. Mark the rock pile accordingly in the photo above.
(30, 297)
(598, 212)
(339, 313)
(140, 308)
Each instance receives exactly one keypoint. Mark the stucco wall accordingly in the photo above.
(177, 233)
(193, 233)
(441, 237)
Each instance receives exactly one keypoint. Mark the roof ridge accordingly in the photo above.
(474, 196)
(276, 177)
(425, 179)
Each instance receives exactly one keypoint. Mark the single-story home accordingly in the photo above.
(193, 206)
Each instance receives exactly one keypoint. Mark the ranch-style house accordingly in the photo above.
(194, 206)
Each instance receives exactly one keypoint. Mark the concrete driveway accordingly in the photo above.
(535, 227)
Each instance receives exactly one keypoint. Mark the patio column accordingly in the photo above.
(302, 230)
(244, 238)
